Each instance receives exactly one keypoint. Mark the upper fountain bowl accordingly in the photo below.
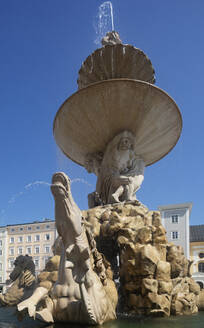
(115, 61)
(92, 116)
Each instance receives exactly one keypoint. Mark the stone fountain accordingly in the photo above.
(115, 125)
(118, 122)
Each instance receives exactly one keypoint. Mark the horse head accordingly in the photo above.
(24, 268)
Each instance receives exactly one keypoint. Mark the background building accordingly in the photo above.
(34, 239)
(3, 252)
(197, 253)
(175, 219)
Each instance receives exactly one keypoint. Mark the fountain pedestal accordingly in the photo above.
(154, 274)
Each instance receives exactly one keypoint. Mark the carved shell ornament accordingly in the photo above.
(116, 61)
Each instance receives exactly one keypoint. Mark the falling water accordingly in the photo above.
(104, 21)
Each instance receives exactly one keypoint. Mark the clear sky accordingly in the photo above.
(43, 44)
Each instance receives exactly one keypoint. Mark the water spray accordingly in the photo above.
(104, 21)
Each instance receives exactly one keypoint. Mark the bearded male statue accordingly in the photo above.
(120, 171)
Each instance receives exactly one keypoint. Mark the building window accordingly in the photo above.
(11, 251)
(46, 259)
(28, 250)
(1, 252)
(47, 248)
(37, 227)
(200, 283)
(11, 262)
(12, 229)
(36, 262)
(29, 228)
(47, 226)
(174, 235)
(37, 249)
(20, 239)
(20, 250)
(0, 242)
(21, 229)
(47, 236)
(174, 218)
(201, 255)
(11, 240)
(201, 267)
(1, 266)
(37, 237)
(29, 239)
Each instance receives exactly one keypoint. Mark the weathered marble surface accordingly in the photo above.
(23, 277)
(84, 291)
(90, 118)
(154, 274)
(111, 38)
(115, 60)
(120, 171)
(41, 298)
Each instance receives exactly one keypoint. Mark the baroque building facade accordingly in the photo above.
(176, 221)
(34, 239)
(3, 253)
(197, 253)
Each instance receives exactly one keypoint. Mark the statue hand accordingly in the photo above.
(27, 304)
(28, 279)
(32, 310)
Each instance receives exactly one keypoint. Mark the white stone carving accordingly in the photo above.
(83, 292)
(120, 172)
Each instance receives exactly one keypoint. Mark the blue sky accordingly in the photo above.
(43, 44)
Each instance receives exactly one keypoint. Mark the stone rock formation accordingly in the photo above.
(201, 301)
(23, 277)
(154, 274)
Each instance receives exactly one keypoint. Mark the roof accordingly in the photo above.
(28, 223)
(176, 206)
(197, 233)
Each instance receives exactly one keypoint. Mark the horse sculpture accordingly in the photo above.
(23, 277)
(84, 293)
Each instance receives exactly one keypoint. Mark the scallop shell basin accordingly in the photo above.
(114, 62)
(92, 116)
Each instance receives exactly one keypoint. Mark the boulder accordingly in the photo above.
(163, 271)
(144, 235)
(160, 304)
(149, 285)
(149, 260)
(165, 287)
(201, 301)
